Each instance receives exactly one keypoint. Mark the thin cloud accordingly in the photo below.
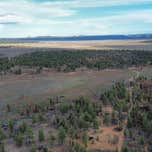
(95, 3)
(71, 17)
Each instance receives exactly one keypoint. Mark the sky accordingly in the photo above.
(29, 18)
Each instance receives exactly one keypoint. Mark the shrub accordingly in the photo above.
(141, 141)
(29, 135)
(34, 119)
(41, 135)
(2, 148)
(51, 140)
(23, 127)
(2, 135)
(64, 107)
(96, 124)
(82, 123)
(125, 149)
(19, 139)
(129, 121)
(18, 71)
(106, 118)
(8, 108)
(85, 139)
(79, 148)
(72, 132)
(32, 148)
(61, 135)
(114, 118)
(11, 125)
(41, 118)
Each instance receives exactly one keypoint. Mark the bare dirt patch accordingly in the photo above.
(106, 138)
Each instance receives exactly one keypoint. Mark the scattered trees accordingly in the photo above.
(73, 119)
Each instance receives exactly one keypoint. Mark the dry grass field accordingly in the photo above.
(97, 45)
(49, 83)
(15, 48)
(26, 86)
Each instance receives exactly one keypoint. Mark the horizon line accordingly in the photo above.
(68, 36)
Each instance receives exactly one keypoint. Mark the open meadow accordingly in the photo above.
(25, 86)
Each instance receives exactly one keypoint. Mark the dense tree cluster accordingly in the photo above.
(70, 60)
(117, 96)
(139, 123)
(5, 64)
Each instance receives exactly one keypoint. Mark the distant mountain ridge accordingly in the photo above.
(83, 37)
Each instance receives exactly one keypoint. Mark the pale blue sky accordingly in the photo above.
(22, 18)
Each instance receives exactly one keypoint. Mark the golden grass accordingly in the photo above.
(98, 45)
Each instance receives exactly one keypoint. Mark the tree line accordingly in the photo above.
(71, 60)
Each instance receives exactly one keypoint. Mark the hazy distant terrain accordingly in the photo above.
(84, 37)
